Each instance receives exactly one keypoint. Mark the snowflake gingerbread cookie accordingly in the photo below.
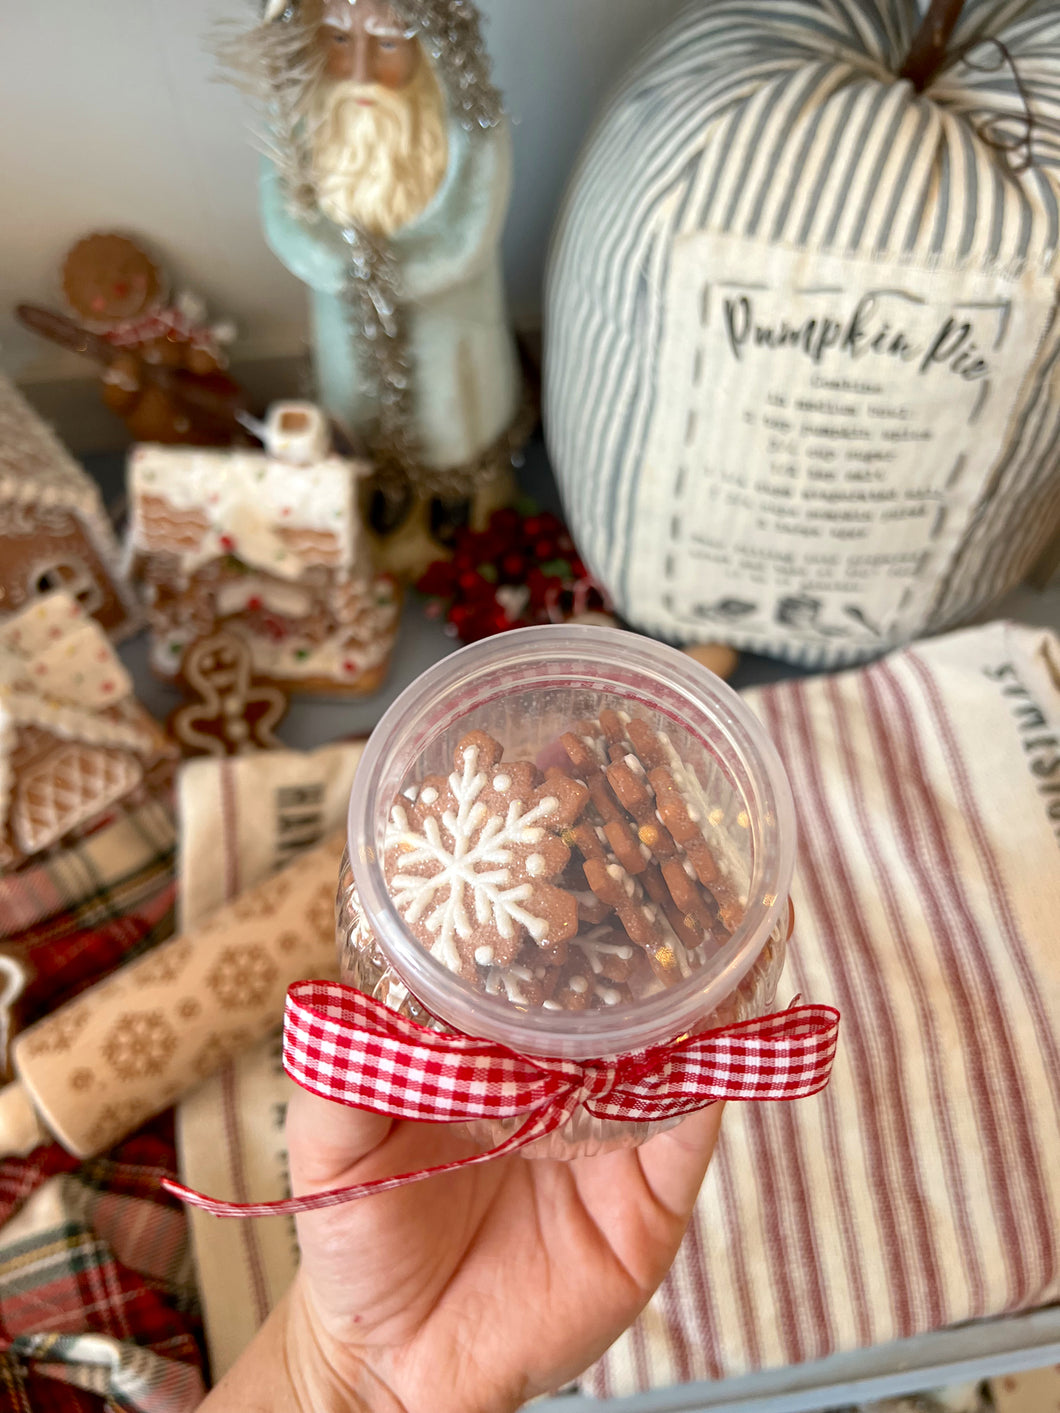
(470, 860)
(586, 880)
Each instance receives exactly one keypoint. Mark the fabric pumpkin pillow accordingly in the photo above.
(801, 390)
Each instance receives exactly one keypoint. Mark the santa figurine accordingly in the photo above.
(385, 191)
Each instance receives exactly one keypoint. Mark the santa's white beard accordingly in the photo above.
(378, 166)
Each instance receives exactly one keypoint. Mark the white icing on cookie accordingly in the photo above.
(459, 874)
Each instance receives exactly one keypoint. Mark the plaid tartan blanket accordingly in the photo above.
(97, 1289)
(105, 876)
(75, 916)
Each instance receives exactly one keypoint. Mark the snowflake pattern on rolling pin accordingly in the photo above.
(469, 860)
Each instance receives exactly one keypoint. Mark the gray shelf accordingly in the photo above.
(963, 1354)
(421, 641)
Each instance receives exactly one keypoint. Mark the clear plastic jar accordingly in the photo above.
(560, 702)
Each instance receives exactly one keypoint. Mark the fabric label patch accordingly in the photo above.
(824, 430)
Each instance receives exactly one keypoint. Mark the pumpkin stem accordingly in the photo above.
(928, 49)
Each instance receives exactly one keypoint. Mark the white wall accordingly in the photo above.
(113, 118)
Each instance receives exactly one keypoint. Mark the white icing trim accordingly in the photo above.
(288, 600)
(248, 498)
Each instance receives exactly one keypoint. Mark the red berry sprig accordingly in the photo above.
(521, 570)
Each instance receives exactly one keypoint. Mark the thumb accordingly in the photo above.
(674, 1163)
(325, 1140)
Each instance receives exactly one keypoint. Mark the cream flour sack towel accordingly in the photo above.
(922, 1188)
(242, 819)
(801, 345)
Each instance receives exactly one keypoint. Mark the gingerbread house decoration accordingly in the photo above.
(74, 742)
(54, 531)
(269, 544)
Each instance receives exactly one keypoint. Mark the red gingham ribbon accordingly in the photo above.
(348, 1048)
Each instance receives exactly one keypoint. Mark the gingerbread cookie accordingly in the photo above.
(470, 859)
(584, 886)
(587, 760)
(688, 924)
(680, 879)
(646, 745)
(677, 814)
(628, 779)
(613, 724)
(636, 859)
(668, 807)
(614, 840)
(608, 953)
(516, 983)
(234, 714)
(570, 987)
(645, 922)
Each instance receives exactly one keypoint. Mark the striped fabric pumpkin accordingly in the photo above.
(801, 346)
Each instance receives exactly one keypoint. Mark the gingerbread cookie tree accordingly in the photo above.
(470, 861)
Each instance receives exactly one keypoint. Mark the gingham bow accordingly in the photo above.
(348, 1048)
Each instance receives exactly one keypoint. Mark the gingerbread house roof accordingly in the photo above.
(199, 504)
(36, 470)
(34, 464)
(60, 674)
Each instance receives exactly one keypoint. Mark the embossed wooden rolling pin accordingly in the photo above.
(97, 1068)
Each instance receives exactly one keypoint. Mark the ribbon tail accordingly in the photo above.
(536, 1126)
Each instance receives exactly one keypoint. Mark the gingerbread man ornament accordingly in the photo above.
(234, 714)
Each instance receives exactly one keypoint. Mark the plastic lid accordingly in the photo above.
(430, 783)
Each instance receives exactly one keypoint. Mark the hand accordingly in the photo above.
(474, 1291)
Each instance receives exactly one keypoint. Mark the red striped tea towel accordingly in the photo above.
(922, 1188)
